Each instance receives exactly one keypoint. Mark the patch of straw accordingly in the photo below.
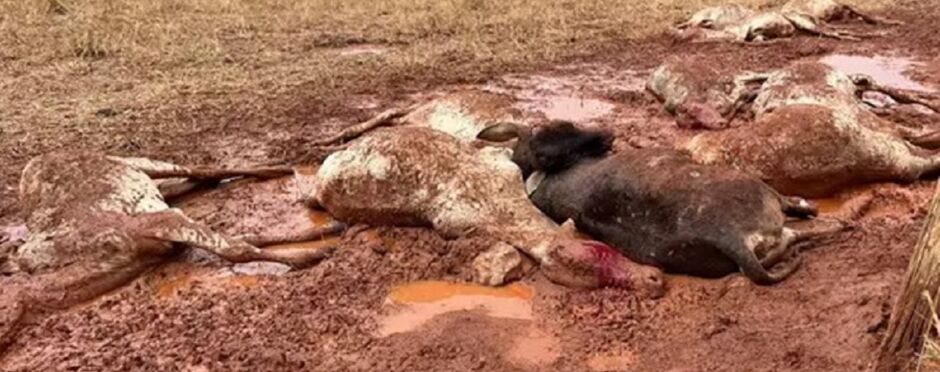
(930, 356)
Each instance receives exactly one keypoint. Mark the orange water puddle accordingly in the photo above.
(576, 109)
(318, 219)
(308, 245)
(872, 200)
(829, 205)
(433, 291)
(419, 302)
(172, 287)
(838, 202)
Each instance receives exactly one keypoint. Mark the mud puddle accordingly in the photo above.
(575, 109)
(573, 96)
(419, 302)
(307, 245)
(830, 205)
(215, 280)
(889, 71)
(869, 201)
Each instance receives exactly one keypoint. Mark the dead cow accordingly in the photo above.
(813, 82)
(717, 17)
(814, 150)
(414, 176)
(96, 222)
(831, 11)
(798, 16)
(701, 96)
(778, 25)
(463, 114)
(657, 206)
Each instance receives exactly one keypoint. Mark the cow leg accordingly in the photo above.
(173, 226)
(171, 190)
(63, 288)
(307, 234)
(929, 140)
(787, 245)
(158, 169)
(787, 265)
(793, 206)
(807, 25)
(906, 96)
(384, 118)
(837, 34)
(914, 167)
(778, 253)
(781, 270)
(821, 227)
(870, 18)
(743, 255)
(790, 237)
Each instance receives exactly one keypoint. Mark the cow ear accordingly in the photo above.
(503, 132)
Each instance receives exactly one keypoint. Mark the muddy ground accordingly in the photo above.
(387, 300)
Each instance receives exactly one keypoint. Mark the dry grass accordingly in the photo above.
(65, 59)
(930, 355)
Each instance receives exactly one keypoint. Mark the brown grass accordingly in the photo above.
(65, 59)
(930, 356)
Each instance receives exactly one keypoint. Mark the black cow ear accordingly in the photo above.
(503, 132)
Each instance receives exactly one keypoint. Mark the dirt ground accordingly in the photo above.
(388, 299)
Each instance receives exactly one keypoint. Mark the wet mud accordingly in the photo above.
(399, 299)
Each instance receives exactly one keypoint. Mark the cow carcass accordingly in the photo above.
(416, 176)
(814, 150)
(96, 222)
(657, 206)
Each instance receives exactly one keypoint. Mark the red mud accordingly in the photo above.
(196, 314)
